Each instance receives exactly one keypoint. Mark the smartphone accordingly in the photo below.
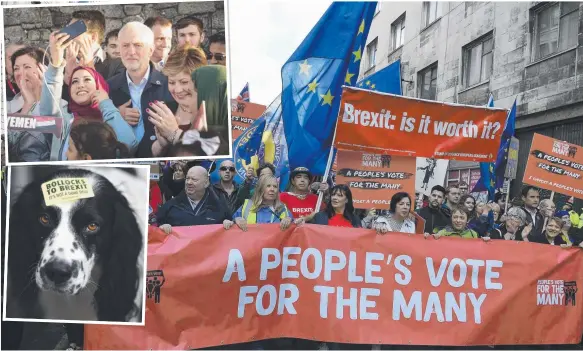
(74, 30)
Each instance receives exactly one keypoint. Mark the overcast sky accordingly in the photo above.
(263, 35)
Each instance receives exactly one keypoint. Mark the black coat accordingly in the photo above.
(537, 230)
(156, 90)
(434, 219)
(178, 212)
(231, 200)
(542, 239)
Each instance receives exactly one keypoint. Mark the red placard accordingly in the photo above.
(383, 123)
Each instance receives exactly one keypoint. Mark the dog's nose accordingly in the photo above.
(58, 271)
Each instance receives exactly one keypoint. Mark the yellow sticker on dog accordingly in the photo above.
(66, 189)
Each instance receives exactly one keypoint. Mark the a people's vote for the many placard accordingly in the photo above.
(374, 179)
(243, 114)
(555, 165)
(390, 124)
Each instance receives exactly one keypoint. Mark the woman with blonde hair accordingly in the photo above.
(263, 208)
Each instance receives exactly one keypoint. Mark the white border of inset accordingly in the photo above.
(144, 249)
(61, 3)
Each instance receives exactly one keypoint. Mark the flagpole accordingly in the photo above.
(507, 197)
(327, 172)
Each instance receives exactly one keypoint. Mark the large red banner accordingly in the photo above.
(207, 286)
(389, 124)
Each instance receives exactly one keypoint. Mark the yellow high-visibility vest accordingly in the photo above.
(251, 216)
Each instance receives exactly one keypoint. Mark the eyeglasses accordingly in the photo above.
(224, 169)
(217, 56)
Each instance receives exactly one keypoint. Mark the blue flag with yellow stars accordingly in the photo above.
(312, 79)
(492, 174)
(387, 80)
(262, 142)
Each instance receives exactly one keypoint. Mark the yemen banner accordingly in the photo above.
(391, 124)
(374, 179)
(555, 165)
(207, 286)
(41, 124)
(243, 114)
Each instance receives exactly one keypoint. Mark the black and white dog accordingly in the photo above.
(79, 260)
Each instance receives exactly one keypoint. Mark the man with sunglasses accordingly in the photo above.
(226, 187)
(217, 50)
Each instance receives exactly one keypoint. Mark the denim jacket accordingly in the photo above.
(52, 91)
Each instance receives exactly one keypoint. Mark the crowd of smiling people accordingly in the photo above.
(143, 96)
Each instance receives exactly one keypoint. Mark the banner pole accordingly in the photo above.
(327, 171)
(507, 196)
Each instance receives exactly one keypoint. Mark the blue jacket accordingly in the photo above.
(178, 211)
(156, 89)
(51, 92)
(264, 215)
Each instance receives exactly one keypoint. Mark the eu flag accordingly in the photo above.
(263, 142)
(312, 79)
(387, 80)
(492, 174)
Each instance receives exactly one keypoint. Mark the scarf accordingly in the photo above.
(211, 86)
(91, 111)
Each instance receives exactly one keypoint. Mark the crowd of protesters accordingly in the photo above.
(145, 90)
(185, 196)
(193, 200)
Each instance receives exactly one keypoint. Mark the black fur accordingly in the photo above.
(117, 245)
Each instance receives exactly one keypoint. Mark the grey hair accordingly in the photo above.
(145, 33)
(515, 212)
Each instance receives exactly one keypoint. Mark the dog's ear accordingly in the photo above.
(24, 249)
(120, 277)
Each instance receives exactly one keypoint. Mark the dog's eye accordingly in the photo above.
(44, 219)
(92, 227)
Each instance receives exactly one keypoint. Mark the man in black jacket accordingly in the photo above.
(139, 85)
(198, 204)
(433, 215)
(531, 199)
(226, 187)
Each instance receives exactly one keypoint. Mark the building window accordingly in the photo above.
(427, 83)
(429, 12)
(371, 53)
(398, 32)
(555, 29)
(478, 61)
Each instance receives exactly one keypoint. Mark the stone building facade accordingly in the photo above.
(463, 51)
(33, 25)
